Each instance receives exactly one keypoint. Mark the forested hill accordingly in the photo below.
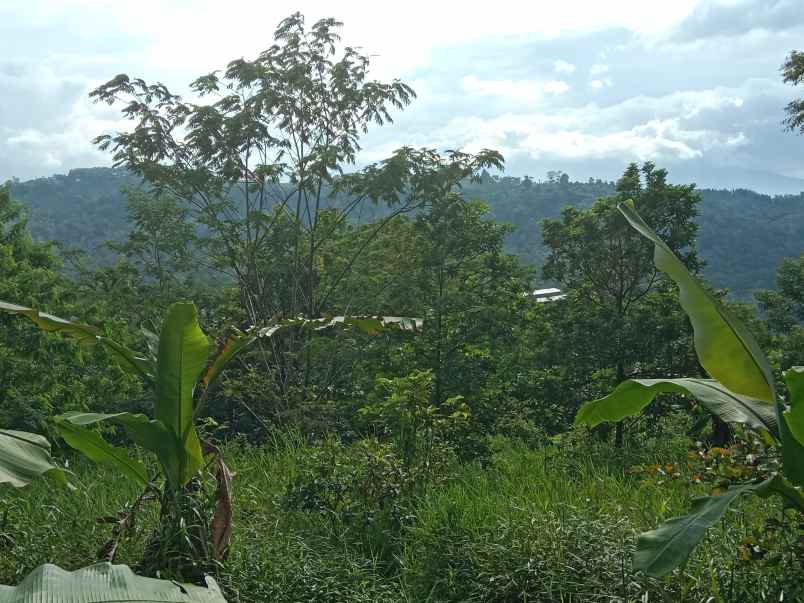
(743, 234)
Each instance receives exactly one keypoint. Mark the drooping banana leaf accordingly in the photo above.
(104, 583)
(130, 360)
(24, 457)
(238, 341)
(183, 353)
(86, 334)
(370, 325)
(662, 550)
(235, 343)
(724, 346)
(630, 397)
(91, 444)
(148, 433)
(794, 416)
(48, 322)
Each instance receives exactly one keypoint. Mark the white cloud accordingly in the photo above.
(738, 140)
(508, 102)
(639, 128)
(523, 91)
(604, 83)
(563, 67)
(189, 35)
(50, 120)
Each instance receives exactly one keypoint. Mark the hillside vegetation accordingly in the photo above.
(309, 381)
(86, 208)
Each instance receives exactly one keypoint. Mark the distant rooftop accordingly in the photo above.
(547, 295)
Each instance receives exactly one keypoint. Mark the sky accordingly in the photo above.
(581, 86)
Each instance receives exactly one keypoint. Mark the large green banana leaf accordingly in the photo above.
(183, 353)
(24, 457)
(148, 433)
(662, 550)
(104, 583)
(724, 346)
(630, 397)
(795, 415)
(100, 451)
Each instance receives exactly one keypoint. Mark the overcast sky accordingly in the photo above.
(577, 85)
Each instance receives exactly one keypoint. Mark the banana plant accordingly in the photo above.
(181, 372)
(741, 390)
(181, 367)
(176, 371)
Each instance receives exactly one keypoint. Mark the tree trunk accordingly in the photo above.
(619, 434)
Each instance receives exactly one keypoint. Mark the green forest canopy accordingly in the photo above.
(86, 208)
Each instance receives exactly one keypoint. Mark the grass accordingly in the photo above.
(553, 524)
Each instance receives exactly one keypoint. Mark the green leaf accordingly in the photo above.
(779, 486)
(130, 360)
(85, 334)
(104, 583)
(24, 457)
(235, 343)
(48, 322)
(662, 550)
(183, 353)
(794, 416)
(724, 346)
(152, 435)
(92, 445)
(792, 449)
(633, 395)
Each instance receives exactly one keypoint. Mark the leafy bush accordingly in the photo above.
(360, 489)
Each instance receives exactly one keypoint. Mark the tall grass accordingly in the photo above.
(552, 524)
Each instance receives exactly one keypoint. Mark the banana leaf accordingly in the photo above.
(150, 434)
(235, 343)
(725, 348)
(104, 583)
(370, 325)
(24, 457)
(48, 322)
(794, 416)
(85, 334)
(99, 450)
(662, 550)
(630, 397)
(183, 353)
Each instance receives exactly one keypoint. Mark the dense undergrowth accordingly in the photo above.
(552, 523)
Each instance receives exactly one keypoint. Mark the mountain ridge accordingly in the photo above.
(743, 235)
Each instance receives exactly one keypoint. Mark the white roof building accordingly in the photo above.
(547, 295)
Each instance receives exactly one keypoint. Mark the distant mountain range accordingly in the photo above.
(743, 235)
